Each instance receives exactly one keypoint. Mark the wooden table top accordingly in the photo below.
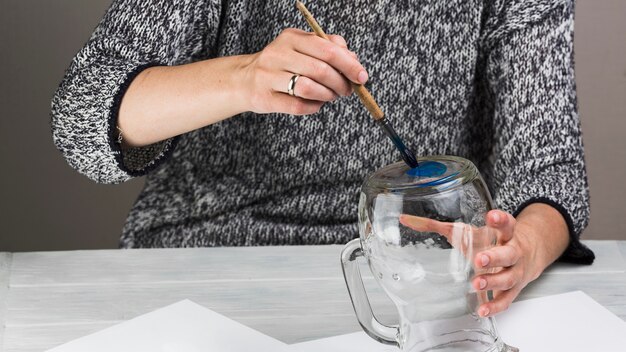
(294, 294)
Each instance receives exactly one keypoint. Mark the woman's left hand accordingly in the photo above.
(513, 260)
(526, 246)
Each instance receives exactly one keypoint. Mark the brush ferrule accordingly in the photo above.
(407, 154)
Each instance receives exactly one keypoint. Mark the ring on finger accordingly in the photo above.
(292, 85)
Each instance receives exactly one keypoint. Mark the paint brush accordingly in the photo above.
(366, 98)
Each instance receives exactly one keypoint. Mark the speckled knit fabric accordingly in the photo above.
(492, 81)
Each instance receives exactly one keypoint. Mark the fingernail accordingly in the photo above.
(483, 312)
(482, 283)
(484, 260)
(496, 218)
(363, 77)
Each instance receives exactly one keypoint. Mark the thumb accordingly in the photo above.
(503, 222)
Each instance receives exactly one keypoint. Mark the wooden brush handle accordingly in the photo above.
(364, 95)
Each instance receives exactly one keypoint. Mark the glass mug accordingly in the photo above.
(419, 230)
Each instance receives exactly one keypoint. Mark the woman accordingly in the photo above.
(196, 96)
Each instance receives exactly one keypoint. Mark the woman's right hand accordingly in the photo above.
(166, 101)
(325, 68)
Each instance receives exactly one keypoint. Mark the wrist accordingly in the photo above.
(225, 82)
(240, 79)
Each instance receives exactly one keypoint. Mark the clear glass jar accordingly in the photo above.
(419, 231)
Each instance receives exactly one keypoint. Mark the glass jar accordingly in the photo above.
(419, 231)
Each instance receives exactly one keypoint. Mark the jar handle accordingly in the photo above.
(360, 302)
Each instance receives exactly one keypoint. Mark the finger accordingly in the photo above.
(339, 40)
(336, 56)
(456, 233)
(500, 256)
(284, 103)
(307, 88)
(304, 87)
(502, 221)
(422, 224)
(319, 71)
(501, 303)
(503, 280)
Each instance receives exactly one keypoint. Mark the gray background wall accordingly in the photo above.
(45, 205)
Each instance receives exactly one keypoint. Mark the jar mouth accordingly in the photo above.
(435, 174)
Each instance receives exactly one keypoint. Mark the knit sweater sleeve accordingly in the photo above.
(538, 151)
(132, 36)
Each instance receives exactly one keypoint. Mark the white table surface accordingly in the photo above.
(294, 294)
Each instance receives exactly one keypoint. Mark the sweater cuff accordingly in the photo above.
(576, 252)
(139, 161)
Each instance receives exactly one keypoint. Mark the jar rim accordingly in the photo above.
(396, 178)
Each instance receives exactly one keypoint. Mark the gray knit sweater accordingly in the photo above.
(492, 81)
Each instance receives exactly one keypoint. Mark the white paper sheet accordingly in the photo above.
(571, 322)
(181, 327)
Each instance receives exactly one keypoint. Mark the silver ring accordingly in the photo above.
(292, 85)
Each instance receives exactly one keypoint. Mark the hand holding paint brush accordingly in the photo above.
(366, 98)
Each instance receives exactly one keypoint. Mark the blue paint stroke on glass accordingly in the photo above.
(430, 169)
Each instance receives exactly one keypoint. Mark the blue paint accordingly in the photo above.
(428, 169)
(431, 169)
